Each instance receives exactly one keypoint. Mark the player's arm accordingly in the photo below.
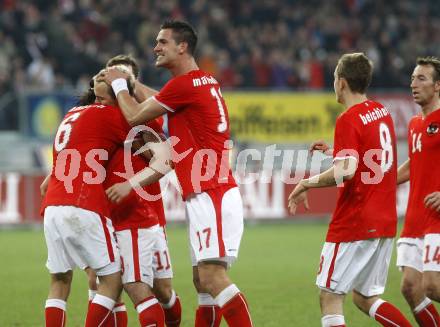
(143, 92)
(135, 113)
(321, 146)
(44, 185)
(342, 170)
(403, 173)
(160, 164)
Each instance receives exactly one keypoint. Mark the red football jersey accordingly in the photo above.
(366, 207)
(134, 211)
(430, 179)
(198, 119)
(415, 217)
(86, 138)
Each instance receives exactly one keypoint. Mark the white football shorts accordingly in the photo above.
(431, 252)
(81, 238)
(162, 267)
(215, 219)
(360, 265)
(410, 253)
(136, 248)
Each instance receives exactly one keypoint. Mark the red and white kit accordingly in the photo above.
(136, 220)
(410, 243)
(198, 121)
(77, 230)
(430, 180)
(365, 218)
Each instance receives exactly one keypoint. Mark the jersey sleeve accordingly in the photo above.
(347, 140)
(176, 94)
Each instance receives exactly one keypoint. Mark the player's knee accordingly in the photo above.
(62, 278)
(163, 292)
(196, 282)
(408, 289)
(431, 289)
(363, 303)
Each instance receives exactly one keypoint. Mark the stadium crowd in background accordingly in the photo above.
(276, 44)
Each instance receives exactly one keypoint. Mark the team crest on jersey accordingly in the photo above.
(433, 128)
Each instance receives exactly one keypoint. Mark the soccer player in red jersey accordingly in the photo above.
(137, 231)
(359, 242)
(425, 85)
(77, 230)
(162, 268)
(198, 123)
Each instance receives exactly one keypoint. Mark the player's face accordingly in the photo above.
(102, 94)
(423, 87)
(166, 49)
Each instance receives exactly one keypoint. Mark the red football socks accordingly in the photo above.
(55, 313)
(333, 321)
(99, 310)
(234, 307)
(173, 311)
(388, 315)
(150, 312)
(426, 314)
(208, 313)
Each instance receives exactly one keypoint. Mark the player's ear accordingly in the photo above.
(183, 46)
(437, 86)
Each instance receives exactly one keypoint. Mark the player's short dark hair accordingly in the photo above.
(434, 62)
(357, 70)
(182, 32)
(127, 60)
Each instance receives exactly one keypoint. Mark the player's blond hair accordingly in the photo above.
(357, 70)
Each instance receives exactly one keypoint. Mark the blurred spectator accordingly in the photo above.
(247, 44)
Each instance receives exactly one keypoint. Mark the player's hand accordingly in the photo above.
(298, 196)
(118, 191)
(319, 146)
(113, 73)
(433, 201)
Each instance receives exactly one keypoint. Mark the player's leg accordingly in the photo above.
(136, 248)
(162, 284)
(431, 266)
(331, 308)
(431, 284)
(410, 262)
(60, 267)
(208, 313)
(55, 310)
(118, 317)
(215, 228)
(169, 300)
(422, 307)
(89, 240)
(370, 284)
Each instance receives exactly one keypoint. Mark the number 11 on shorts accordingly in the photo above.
(206, 233)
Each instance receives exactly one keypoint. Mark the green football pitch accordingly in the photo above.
(276, 270)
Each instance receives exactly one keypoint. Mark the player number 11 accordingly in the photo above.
(223, 124)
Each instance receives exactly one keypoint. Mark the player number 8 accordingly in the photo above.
(387, 148)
